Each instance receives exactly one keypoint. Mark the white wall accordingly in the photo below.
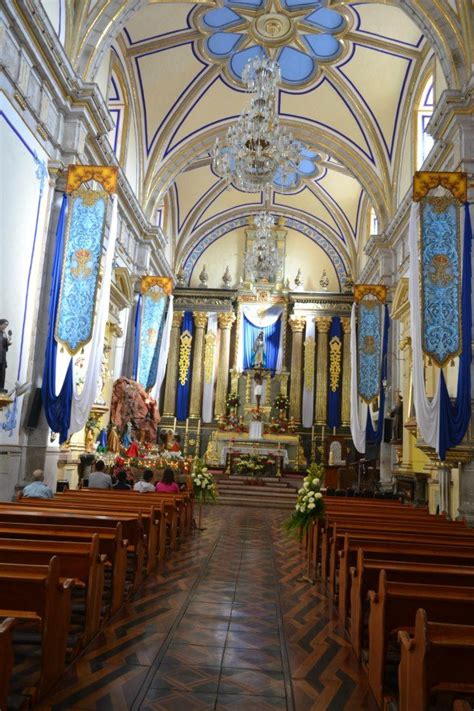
(23, 209)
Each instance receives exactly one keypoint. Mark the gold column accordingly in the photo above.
(225, 321)
(323, 324)
(297, 327)
(169, 406)
(346, 372)
(200, 322)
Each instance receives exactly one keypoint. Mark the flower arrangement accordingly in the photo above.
(233, 400)
(250, 464)
(281, 402)
(204, 487)
(256, 415)
(310, 504)
(230, 423)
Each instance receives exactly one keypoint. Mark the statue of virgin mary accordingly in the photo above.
(259, 351)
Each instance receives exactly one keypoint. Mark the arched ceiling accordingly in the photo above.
(350, 70)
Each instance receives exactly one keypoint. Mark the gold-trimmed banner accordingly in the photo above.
(164, 283)
(377, 290)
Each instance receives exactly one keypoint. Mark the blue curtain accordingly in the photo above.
(136, 337)
(374, 436)
(454, 418)
(272, 342)
(57, 408)
(183, 391)
(156, 354)
(334, 398)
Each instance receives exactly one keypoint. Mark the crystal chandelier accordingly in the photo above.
(262, 261)
(257, 147)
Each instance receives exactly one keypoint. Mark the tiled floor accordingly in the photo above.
(226, 627)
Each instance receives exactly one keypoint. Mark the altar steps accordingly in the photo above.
(237, 491)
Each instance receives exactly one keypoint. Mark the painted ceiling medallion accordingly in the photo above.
(298, 34)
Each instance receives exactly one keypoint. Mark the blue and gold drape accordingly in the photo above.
(184, 366)
(335, 372)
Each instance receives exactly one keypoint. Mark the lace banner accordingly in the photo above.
(369, 348)
(155, 292)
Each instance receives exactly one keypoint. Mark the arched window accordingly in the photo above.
(117, 106)
(374, 223)
(424, 111)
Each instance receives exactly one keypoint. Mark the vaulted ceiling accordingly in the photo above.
(351, 73)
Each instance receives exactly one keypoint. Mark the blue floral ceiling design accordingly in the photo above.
(300, 34)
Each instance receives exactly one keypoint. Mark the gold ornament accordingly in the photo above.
(209, 350)
(335, 357)
(185, 341)
(106, 175)
(309, 351)
(425, 181)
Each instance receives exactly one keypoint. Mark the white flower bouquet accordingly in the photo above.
(310, 504)
(205, 489)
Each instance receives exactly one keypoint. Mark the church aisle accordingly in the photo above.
(226, 627)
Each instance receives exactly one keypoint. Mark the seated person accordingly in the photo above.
(122, 481)
(37, 489)
(167, 484)
(99, 479)
(176, 446)
(145, 484)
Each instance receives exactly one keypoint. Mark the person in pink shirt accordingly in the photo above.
(167, 483)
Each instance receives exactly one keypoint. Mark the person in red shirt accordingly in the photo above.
(167, 483)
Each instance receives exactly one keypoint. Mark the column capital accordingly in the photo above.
(200, 319)
(226, 319)
(323, 323)
(346, 324)
(177, 319)
(297, 324)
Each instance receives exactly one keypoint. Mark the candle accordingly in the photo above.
(174, 425)
(322, 433)
(334, 430)
(199, 427)
(187, 425)
(312, 434)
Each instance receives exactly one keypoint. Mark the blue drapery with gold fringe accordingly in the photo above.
(184, 367)
(335, 372)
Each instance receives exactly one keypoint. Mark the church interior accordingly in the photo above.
(236, 447)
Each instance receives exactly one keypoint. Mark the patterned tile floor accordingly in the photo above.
(227, 626)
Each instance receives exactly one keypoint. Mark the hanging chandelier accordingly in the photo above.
(257, 147)
(262, 261)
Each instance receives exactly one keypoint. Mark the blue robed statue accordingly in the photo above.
(259, 358)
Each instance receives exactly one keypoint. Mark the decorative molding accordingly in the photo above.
(147, 282)
(377, 290)
(106, 175)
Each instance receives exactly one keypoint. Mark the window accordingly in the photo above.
(424, 142)
(374, 223)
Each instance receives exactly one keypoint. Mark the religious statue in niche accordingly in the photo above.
(132, 404)
(259, 351)
(5, 343)
(396, 413)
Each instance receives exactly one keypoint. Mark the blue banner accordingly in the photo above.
(440, 279)
(374, 436)
(369, 348)
(153, 312)
(81, 263)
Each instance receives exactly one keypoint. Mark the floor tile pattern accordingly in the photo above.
(226, 626)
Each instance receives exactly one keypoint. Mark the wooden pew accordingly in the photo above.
(365, 576)
(462, 705)
(397, 544)
(111, 544)
(6, 658)
(439, 657)
(132, 525)
(149, 516)
(36, 594)
(394, 607)
(78, 561)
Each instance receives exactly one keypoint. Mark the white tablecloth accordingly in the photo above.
(249, 449)
(255, 430)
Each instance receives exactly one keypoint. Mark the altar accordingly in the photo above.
(287, 447)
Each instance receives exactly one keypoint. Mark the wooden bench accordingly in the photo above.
(111, 544)
(6, 658)
(397, 544)
(439, 657)
(36, 594)
(365, 576)
(78, 561)
(132, 525)
(394, 606)
(149, 516)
